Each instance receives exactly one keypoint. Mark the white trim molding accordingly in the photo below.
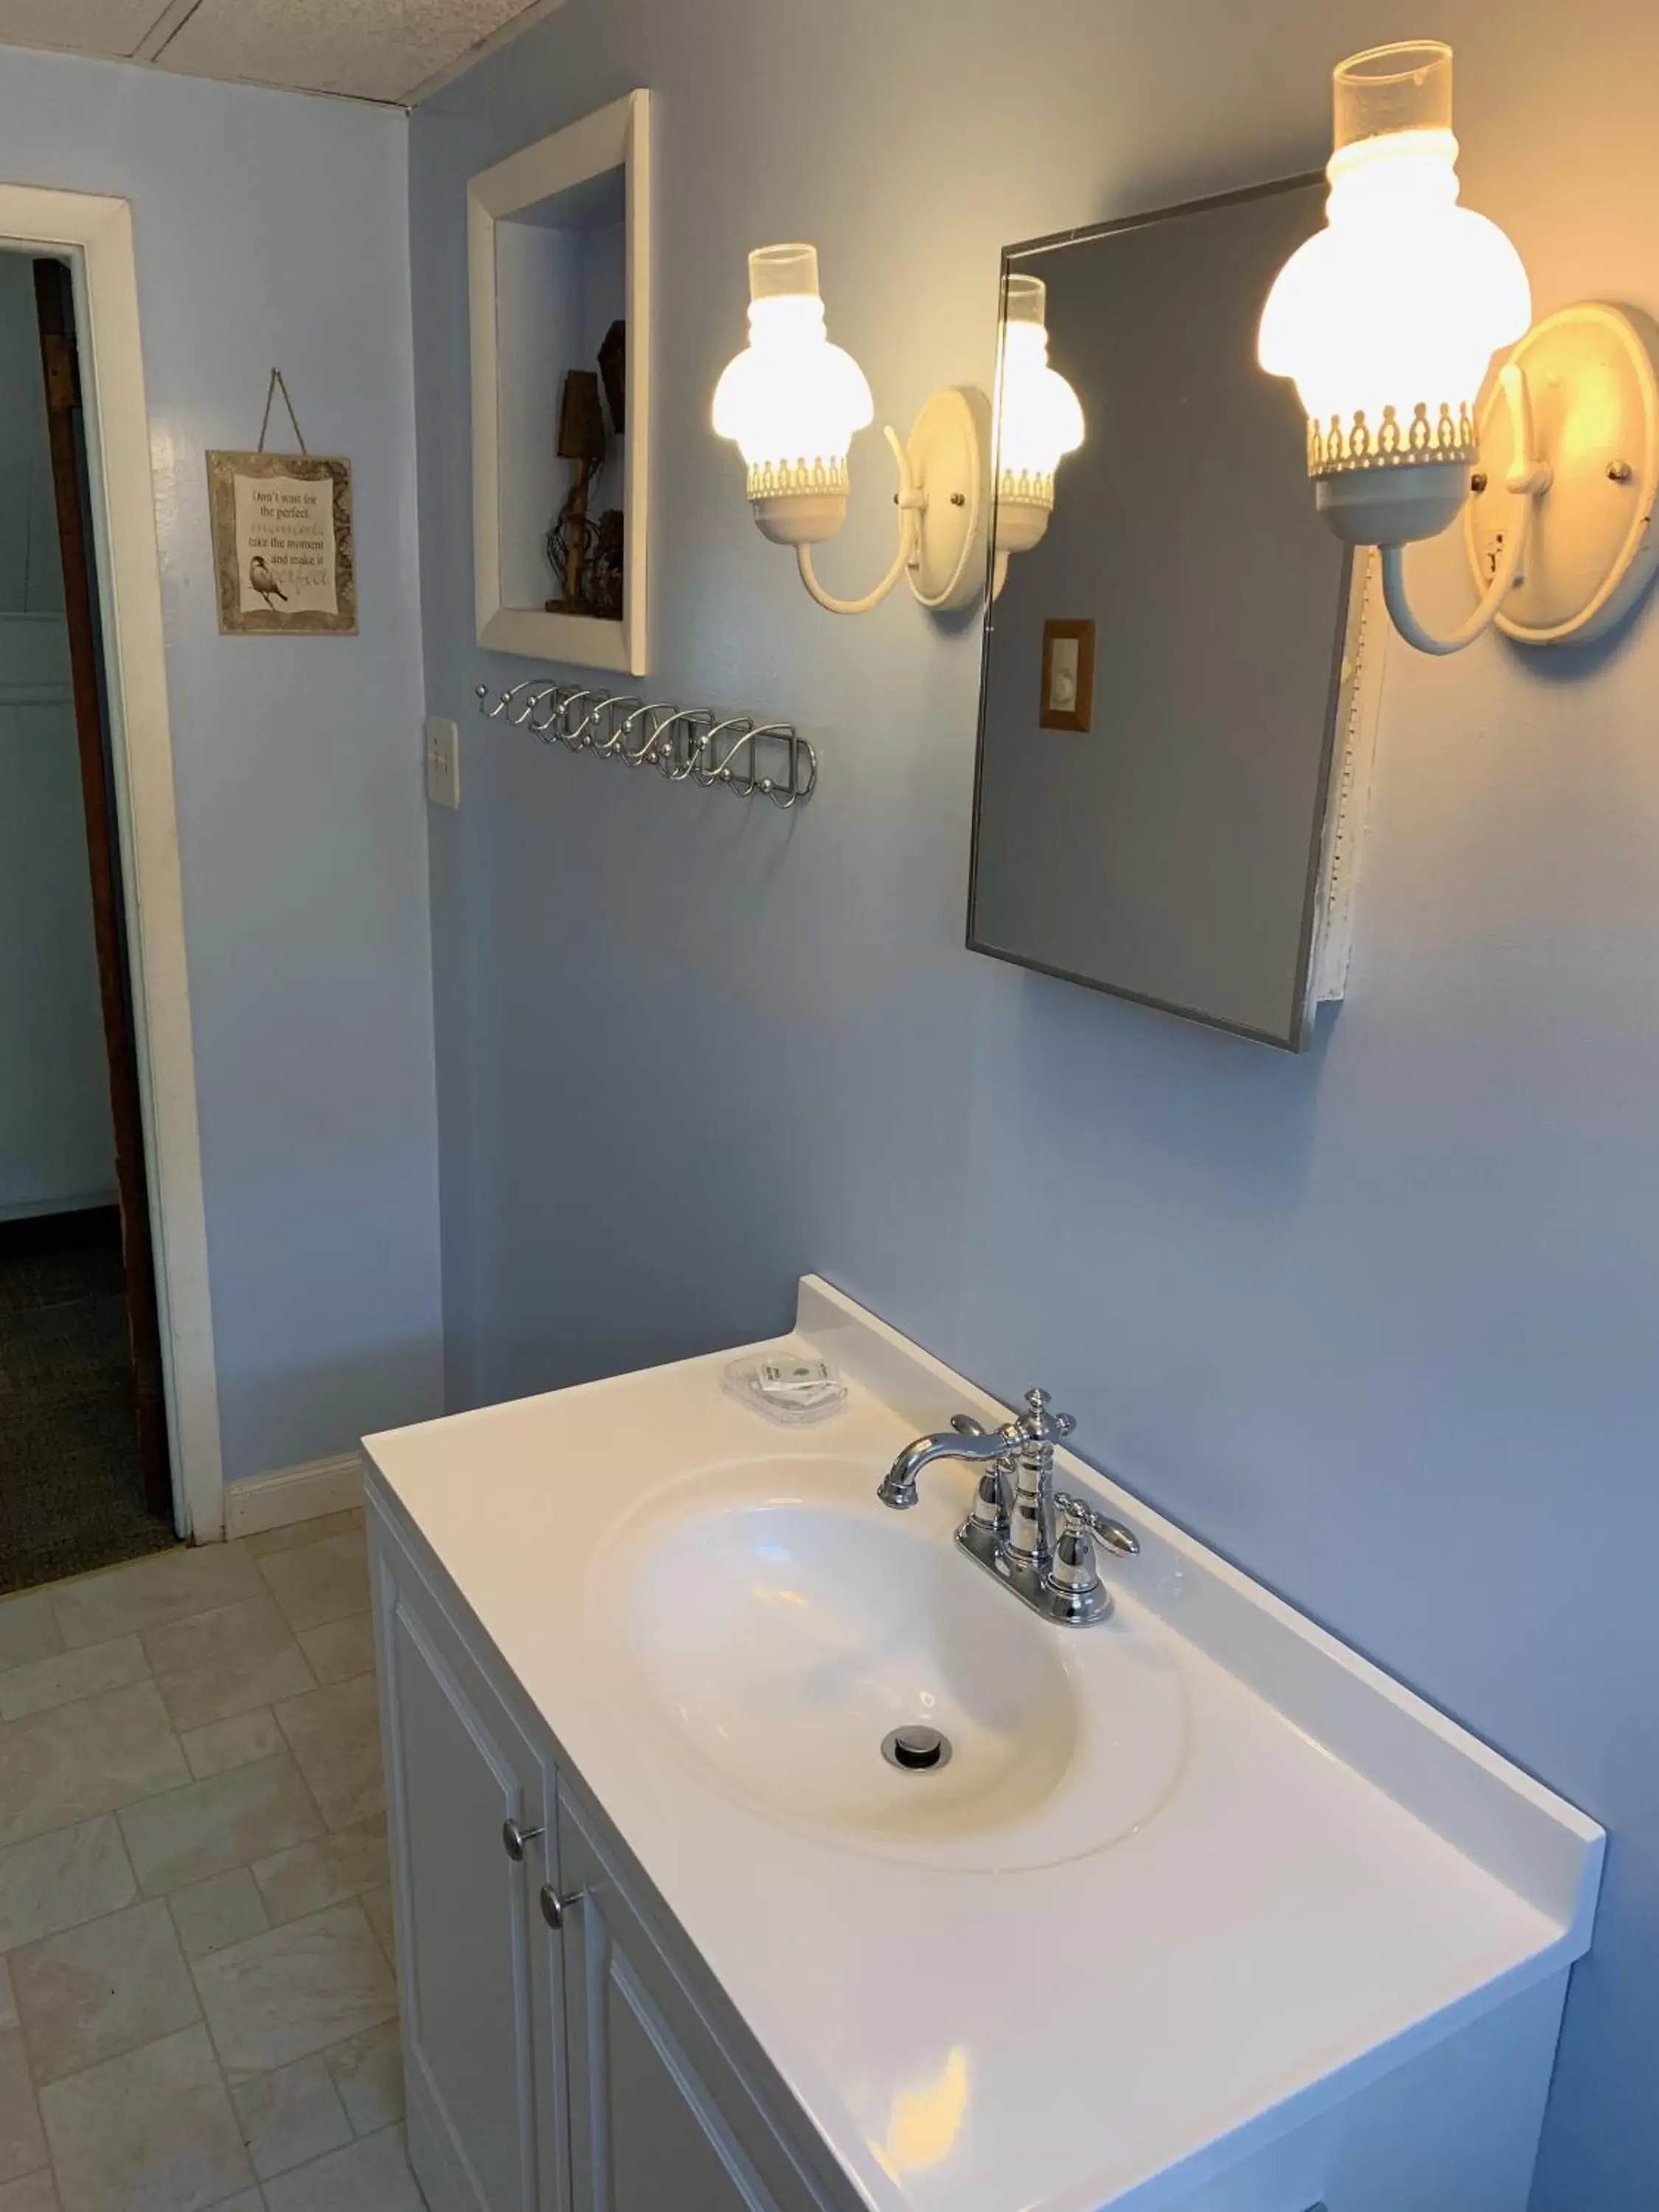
(615, 137)
(259, 1502)
(95, 234)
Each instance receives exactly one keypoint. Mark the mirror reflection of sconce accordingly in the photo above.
(793, 402)
(1387, 320)
(1039, 422)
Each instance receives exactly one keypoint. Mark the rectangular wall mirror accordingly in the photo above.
(1169, 674)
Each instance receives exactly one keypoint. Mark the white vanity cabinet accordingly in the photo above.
(480, 2015)
(662, 2114)
(561, 2043)
(1262, 1932)
(558, 2056)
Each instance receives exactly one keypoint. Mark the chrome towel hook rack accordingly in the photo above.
(686, 745)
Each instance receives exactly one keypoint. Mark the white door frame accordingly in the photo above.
(96, 233)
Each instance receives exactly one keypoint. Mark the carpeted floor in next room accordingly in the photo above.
(71, 1490)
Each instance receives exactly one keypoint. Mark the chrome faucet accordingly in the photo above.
(1011, 1530)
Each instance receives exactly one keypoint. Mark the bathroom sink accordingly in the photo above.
(1257, 1879)
(778, 1625)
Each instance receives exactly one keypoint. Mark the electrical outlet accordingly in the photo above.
(1063, 677)
(443, 761)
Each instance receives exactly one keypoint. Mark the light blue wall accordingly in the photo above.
(1378, 1322)
(274, 228)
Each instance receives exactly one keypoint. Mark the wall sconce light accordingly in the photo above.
(793, 402)
(1387, 320)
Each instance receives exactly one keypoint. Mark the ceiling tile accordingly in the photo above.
(80, 26)
(374, 49)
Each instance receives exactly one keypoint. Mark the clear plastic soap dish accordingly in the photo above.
(787, 1387)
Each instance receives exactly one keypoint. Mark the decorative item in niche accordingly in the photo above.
(558, 240)
(283, 554)
(792, 403)
(581, 442)
(1387, 320)
(584, 551)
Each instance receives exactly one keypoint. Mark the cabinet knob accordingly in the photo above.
(554, 1907)
(514, 1837)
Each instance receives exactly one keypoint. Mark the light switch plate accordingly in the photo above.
(443, 761)
(1068, 675)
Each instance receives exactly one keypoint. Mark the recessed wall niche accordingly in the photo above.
(559, 259)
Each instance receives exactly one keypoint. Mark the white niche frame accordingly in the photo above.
(614, 138)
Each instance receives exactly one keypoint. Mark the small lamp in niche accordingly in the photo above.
(1388, 321)
(793, 402)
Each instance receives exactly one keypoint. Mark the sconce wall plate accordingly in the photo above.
(951, 461)
(1592, 374)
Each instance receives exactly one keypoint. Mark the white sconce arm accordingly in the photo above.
(912, 505)
(1529, 478)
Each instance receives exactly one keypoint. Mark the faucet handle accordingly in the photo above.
(1074, 1573)
(1113, 1533)
(1038, 1425)
(1010, 1433)
(989, 1513)
(1073, 1582)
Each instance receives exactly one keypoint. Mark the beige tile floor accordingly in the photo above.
(197, 2001)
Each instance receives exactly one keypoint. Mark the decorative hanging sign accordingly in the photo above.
(281, 537)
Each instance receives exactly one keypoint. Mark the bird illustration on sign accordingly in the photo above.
(264, 582)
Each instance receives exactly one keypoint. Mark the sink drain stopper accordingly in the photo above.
(917, 1749)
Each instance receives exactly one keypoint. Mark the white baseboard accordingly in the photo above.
(258, 1502)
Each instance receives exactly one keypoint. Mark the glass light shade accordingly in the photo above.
(1388, 318)
(791, 400)
(1039, 419)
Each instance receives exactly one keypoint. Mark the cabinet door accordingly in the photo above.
(659, 2114)
(459, 1768)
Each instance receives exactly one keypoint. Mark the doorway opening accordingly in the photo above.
(85, 1468)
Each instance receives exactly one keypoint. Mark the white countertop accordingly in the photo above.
(1337, 1876)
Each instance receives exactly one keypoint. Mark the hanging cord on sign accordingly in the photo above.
(279, 383)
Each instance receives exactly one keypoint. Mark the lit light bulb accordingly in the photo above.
(1388, 318)
(1039, 420)
(793, 402)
